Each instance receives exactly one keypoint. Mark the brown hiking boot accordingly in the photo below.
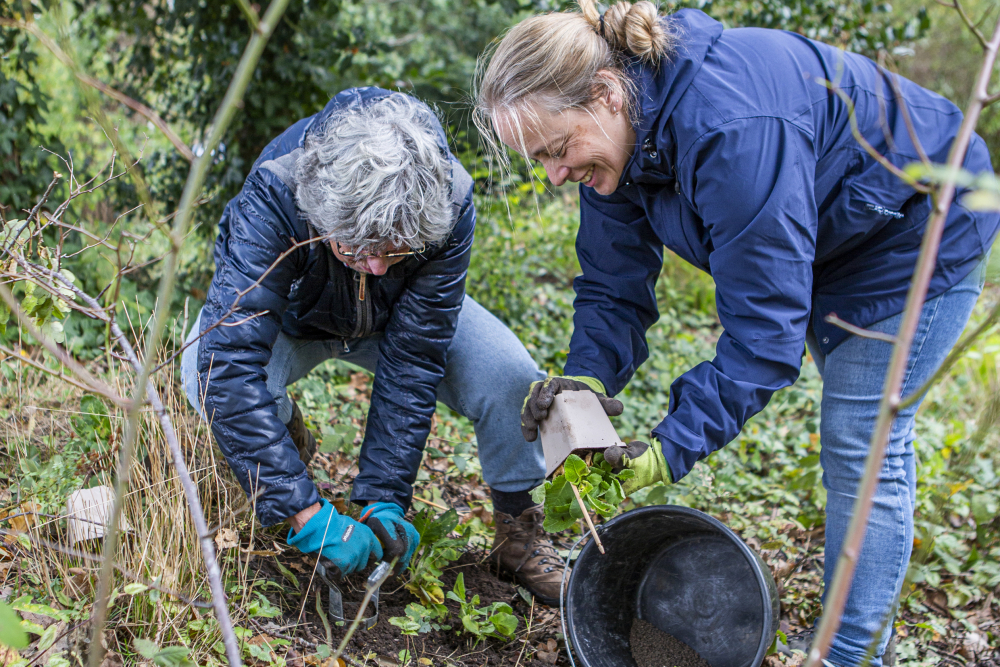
(521, 548)
(303, 438)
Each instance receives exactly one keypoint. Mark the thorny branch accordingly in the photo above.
(942, 197)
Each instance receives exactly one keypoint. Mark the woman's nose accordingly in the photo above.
(556, 172)
(378, 265)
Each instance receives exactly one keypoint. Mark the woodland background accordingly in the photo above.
(177, 57)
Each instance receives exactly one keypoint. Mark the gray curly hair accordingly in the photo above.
(375, 176)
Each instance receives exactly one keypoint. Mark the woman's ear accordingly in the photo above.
(610, 91)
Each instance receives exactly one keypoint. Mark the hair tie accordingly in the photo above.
(600, 31)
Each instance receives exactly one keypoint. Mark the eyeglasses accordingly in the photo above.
(364, 255)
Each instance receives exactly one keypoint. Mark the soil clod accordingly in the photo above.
(652, 647)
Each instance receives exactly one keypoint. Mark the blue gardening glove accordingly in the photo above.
(541, 394)
(343, 540)
(398, 536)
(645, 460)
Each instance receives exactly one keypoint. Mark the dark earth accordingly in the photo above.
(652, 647)
(441, 647)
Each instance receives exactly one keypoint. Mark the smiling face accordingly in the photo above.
(589, 146)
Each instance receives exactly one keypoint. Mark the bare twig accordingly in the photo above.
(889, 407)
(956, 353)
(860, 138)
(92, 383)
(973, 28)
(586, 515)
(369, 591)
(858, 331)
(42, 367)
(192, 189)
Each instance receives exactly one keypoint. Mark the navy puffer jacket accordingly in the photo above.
(745, 166)
(311, 295)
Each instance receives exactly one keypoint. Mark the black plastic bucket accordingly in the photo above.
(684, 572)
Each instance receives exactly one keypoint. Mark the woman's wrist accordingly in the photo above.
(298, 520)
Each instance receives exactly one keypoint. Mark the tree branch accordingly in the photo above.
(192, 189)
(858, 331)
(836, 596)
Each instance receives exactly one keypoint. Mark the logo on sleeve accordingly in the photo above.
(882, 210)
(347, 533)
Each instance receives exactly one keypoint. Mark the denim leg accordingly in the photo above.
(853, 376)
(486, 379)
(291, 360)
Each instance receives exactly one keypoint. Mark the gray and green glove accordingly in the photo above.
(646, 460)
(541, 394)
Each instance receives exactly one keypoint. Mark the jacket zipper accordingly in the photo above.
(364, 307)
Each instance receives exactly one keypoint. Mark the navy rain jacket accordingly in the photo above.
(745, 167)
(311, 295)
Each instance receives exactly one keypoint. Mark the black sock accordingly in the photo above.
(512, 503)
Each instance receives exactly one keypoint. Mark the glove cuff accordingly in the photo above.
(595, 384)
(317, 523)
(379, 508)
(661, 462)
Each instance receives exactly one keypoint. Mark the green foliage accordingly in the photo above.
(599, 488)
(864, 26)
(420, 619)
(24, 166)
(497, 620)
(435, 551)
(169, 656)
(11, 633)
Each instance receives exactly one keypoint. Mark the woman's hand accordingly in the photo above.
(541, 394)
(349, 544)
(398, 537)
(646, 460)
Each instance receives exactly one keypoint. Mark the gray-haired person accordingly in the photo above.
(351, 239)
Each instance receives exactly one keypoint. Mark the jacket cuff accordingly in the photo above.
(279, 503)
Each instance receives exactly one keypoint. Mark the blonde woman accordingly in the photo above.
(725, 147)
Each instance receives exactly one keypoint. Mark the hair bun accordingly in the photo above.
(632, 28)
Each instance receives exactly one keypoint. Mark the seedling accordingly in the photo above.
(595, 485)
(420, 619)
(436, 550)
(496, 620)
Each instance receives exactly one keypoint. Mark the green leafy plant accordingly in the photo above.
(11, 633)
(599, 488)
(497, 620)
(169, 656)
(420, 619)
(436, 550)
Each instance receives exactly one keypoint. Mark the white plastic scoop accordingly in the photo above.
(576, 423)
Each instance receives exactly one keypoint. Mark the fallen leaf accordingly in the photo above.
(545, 656)
(551, 645)
(8, 655)
(23, 517)
(227, 538)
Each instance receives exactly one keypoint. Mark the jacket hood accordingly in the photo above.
(659, 88)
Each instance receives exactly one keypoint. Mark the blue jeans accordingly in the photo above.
(486, 378)
(853, 376)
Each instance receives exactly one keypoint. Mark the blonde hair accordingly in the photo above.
(566, 60)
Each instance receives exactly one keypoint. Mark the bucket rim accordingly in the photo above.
(751, 557)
